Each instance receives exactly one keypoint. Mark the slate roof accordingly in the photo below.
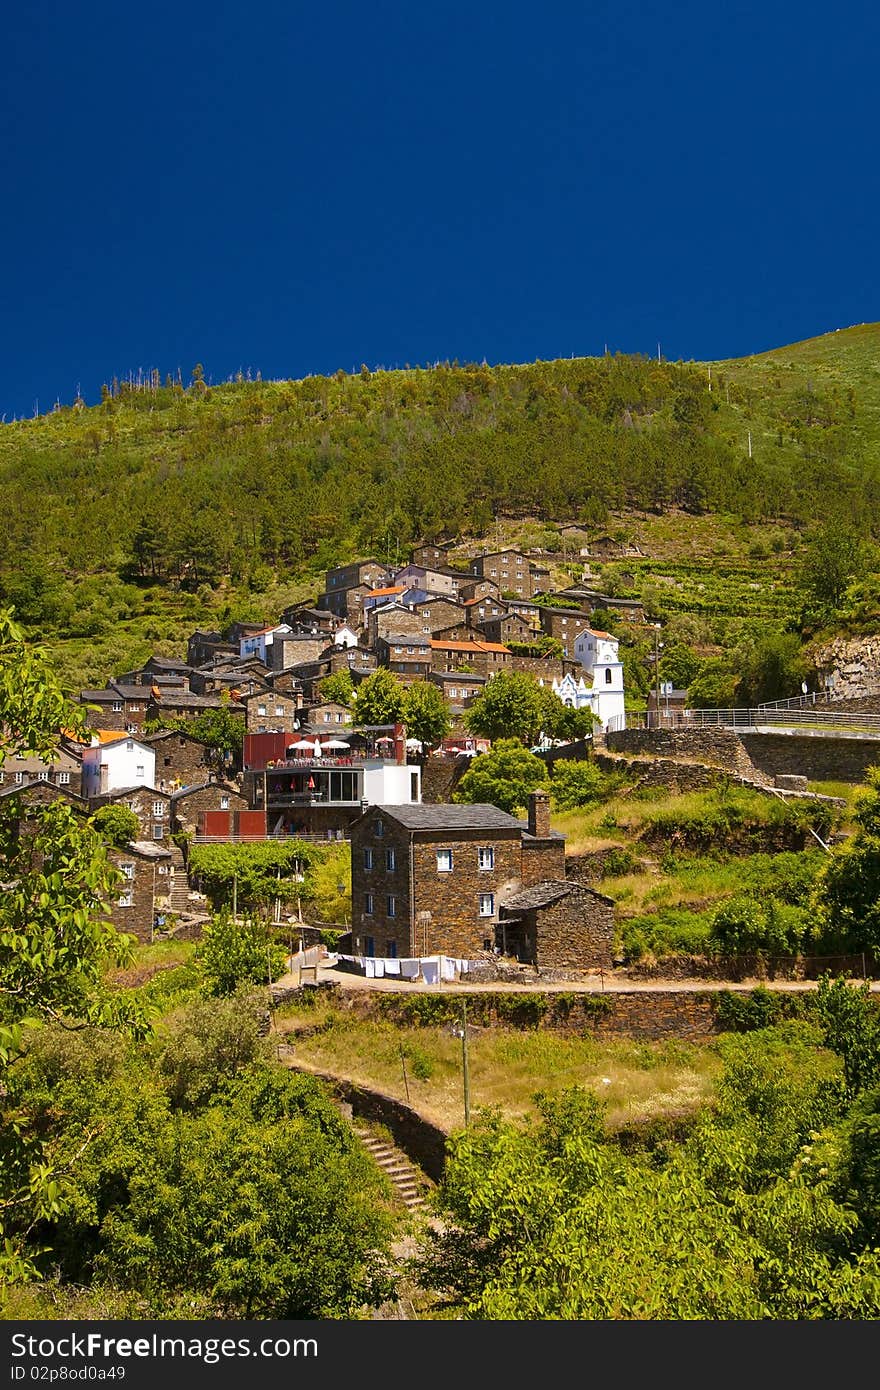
(443, 816)
(549, 891)
(147, 849)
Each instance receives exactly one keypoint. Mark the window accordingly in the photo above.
(607, 675)
(413, 786)
(369, 946)
(116, 706)
(163, 868)
(391, 949)
(158, 809)
(368, 859)
(444, 861)
(368, 904)
(486, 857)
(126, 899)
(453, 692)
(279, 711)
(19, 777)
(224, 803)
(391, 905)
(390, 860)
(261, 709)
(380, 828)
(158, 830)
(487, 904)
(139, 770)
(127, 870)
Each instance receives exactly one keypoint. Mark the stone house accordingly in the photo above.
(181, 759)
(433, 878)
(509, 627)
(565, 624)
(430, 556)
(559, 924)
(509, 568)
(146, 888)
(407, 656)
(168, 669)
(65, 770)
(181, 704)
(292, 648)
(32, 795)
(392, 617)
(348, 584)
(122, 707)
(478, 588)
(203, 647)
(271, 711)
(326, 716)
(526, 609)
(479, 610)
(458, 689)
(152, 808)
(301, 616)
(435, 614)
(482, 658)
(190, 802)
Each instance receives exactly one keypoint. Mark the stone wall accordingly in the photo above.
(818, 756)
(542, 859)
(719, 748)
(574, 933)
(440, 777)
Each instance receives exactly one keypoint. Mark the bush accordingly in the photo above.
(581, 783)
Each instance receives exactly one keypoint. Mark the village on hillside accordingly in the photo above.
(430, 880)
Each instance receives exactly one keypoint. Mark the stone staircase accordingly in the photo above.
(409, 1184)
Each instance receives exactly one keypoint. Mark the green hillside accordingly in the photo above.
(167, 506)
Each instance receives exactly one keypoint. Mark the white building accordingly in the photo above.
(260, 643)
(599, 655)
(345, 636)
(116, 764)
(574, 693)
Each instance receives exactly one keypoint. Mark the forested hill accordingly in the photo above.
(240, 482)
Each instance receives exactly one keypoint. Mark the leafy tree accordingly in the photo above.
(848, 889)
(831, 558)
(338, 687)
(56, 945)
(679, 664)
(511, 705)
(716, 687)
(426, 714)
(503, 777)
(379, 699)
(255, 873)
(771, 667)
(580, 783)
(561, 721)
(232, 953)
(744, 925)
(117, 824)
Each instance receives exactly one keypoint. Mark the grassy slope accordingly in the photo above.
(391, 418)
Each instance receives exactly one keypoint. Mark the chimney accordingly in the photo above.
(399, 743)
(539, 814)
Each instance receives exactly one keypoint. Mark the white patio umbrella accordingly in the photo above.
(337, 743)
(414, 743)
(302, 743)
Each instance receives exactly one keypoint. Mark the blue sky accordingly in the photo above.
(290, 189)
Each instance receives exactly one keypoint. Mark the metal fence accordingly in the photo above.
(762, 719)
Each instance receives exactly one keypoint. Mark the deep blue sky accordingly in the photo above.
(292, 188)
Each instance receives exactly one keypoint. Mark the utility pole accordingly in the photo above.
(710, 381)
(403, 1064)
(750, 443)
(235, 897)
(657, 669)
(464, 1065)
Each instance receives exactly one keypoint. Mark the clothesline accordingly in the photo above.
(431, 969)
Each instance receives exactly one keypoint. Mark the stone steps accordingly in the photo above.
(404, 1176)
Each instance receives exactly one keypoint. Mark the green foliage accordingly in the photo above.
(716, 686)
(503, 777)
(211, 1184)
(851, 1023)
(338, 687)
(581, 783)
(118, 825)
(748, 1011)
(543, 645)
(34, 706)
(379, 699)
(848, 889)
(771, 667)
(743, 926)
(679, 664)
(232, 953)
(221, 729)
(511, 706)
(426, 714)
(831, 558)
(256, 874)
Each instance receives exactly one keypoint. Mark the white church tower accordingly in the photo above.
(599, 655)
